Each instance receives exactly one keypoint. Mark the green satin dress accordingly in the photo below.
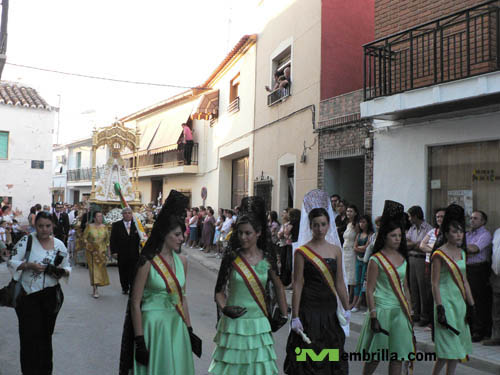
(165, 333)
(449, 345)
(244, 345)
(391, 318)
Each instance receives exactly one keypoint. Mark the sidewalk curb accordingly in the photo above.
(475, 362)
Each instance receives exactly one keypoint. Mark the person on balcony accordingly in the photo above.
(188, 143)
(277, 78)
(285, 81)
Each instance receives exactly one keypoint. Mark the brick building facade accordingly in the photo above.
(392, 16)
(345, 164)
(432, 88)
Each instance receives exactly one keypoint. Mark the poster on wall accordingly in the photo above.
(462, 198)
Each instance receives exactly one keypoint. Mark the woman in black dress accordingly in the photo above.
(318, 280)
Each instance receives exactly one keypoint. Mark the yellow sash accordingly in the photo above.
(456, 274)
(171, 282)
(252, 282)
(319, 263)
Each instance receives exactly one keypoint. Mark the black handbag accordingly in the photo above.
(10, 293)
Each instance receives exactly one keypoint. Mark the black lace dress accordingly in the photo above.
(318, 314)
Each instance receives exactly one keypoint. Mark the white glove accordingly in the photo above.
(297, 325)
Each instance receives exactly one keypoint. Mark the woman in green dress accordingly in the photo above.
(96, 238)
(453, 301)
(388, 327)
(244, 344)
(156, 337)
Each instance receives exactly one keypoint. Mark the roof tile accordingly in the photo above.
(13, 94)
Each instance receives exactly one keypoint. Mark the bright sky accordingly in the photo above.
(163, 41)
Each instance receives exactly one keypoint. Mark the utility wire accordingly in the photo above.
(106, 78)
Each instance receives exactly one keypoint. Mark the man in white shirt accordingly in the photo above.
(495, 284)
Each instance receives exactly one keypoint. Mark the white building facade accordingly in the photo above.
(72, 172)
(26, 128)
(221, 117)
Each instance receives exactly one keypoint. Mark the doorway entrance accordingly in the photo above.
(76, 196)
(239, 180)
(156, 190)
(346, 177)
(287, 187)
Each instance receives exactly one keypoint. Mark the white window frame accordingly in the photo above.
(276, 54)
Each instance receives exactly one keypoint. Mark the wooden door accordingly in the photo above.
(239, 180)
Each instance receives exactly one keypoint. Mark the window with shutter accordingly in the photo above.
(4, 145)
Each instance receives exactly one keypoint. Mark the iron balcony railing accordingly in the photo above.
(83, 174)
(278, 95)
(234, 106)
(167, 159)
(460, 45)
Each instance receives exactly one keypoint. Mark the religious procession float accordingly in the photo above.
(115, 189)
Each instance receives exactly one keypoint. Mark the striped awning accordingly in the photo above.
(207, 106)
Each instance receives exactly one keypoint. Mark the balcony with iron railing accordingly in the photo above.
(234, 106)
(278, 95)
(167, 162)
(460, 45)
(82, 174)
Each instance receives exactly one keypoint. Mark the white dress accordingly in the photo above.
(349, 256)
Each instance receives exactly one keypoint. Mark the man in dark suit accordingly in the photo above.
(124, 245)
(61, 223)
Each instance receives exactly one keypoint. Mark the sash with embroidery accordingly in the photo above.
(171, 282)
(252, 282)
(456, 274)
(319, 263)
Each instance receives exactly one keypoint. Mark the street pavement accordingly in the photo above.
(88, 331)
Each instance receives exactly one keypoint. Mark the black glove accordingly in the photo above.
(470, 315)
(375, 325)
(441, 315)
(141, 352)
(234, 311)
(54, 271)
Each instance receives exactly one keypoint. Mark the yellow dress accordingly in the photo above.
(97, 241)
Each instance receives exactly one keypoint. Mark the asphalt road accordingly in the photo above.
(88, 331)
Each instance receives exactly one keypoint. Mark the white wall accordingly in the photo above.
(400, 155)
(86, 151)
(30, 139)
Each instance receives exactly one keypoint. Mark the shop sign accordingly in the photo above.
(484, 175)
(37, 164)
